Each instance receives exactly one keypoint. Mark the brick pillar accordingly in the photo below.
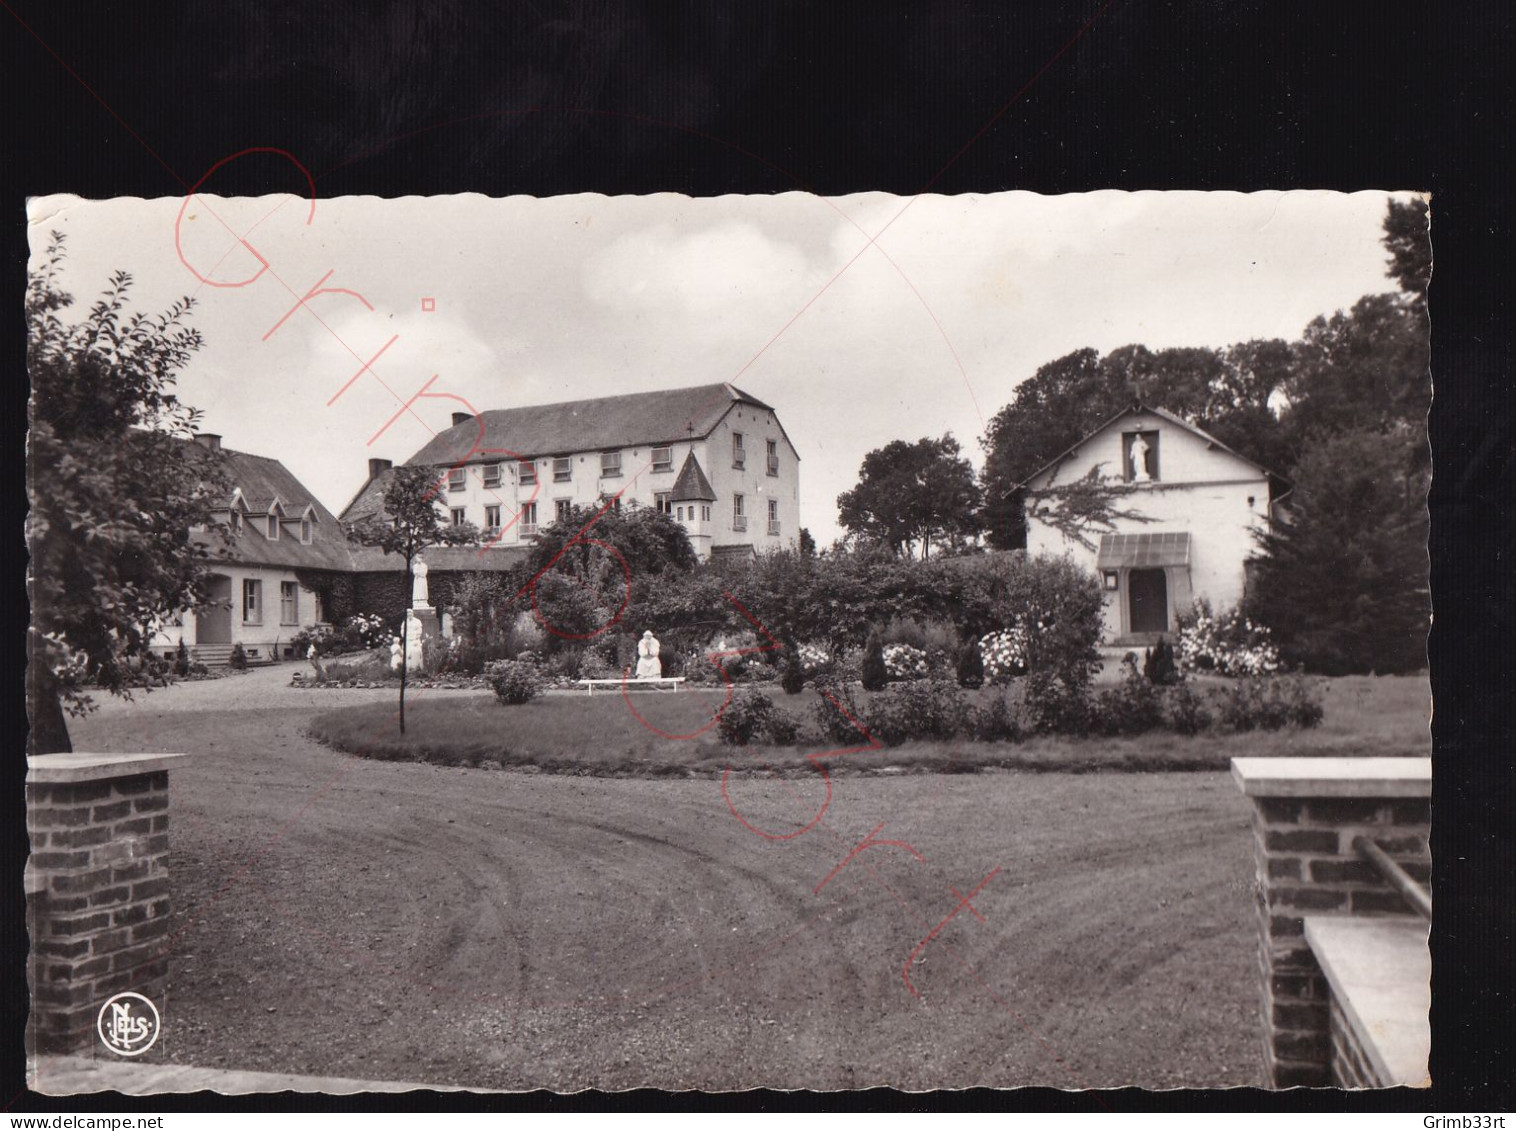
(1306, 812)
(97, 889)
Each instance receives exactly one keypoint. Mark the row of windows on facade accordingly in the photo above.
(563, 508)
(493, 474)
(252, 601)
(271, 527)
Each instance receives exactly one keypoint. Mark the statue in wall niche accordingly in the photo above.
(419, 598)
(649, 666)
(1140, 459)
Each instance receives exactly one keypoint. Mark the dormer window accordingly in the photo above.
(307, 531)
(273, 528)
(235, 521)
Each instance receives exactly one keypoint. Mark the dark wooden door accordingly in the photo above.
(213, 625)
(1148, 590)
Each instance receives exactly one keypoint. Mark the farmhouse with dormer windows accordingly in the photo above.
(1203, 503)
(281, 538)
(712, 457)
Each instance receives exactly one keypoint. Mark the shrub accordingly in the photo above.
(902, 662)
(836, 713)
(1055, 603)
(238, 659)
(1257, 703)
(1132, 707)
(1227, 644)
(181, 660)
(566, 663)
(513, 681)
(1158, 664)
(874, 674)
(1054, 706)
(593, 665)
(1185, 711)
(997, 722)
(919, 709)
(751, 717)
(794, 677)
(970, 666)
(1302, 702)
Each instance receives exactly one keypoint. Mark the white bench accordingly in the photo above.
(657, 683)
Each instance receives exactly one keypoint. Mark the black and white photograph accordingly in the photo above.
(712, 643)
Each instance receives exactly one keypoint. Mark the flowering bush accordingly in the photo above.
(752, 716)
(1004, 654)
(902, 661)
(1227, 644)
(814, 659)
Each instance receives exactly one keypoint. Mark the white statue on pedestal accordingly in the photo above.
(419, 599)
(413, 632)
(1140, 460)
(648, 664)
(396, 647)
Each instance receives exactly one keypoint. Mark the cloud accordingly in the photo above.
(727, 272)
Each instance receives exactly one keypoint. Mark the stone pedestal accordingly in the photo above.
(97, 889)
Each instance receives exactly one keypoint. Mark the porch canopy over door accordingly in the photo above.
(1156, 550)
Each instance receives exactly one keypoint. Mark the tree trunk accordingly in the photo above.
(44, 706)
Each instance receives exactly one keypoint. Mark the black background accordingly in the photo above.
(544, 97)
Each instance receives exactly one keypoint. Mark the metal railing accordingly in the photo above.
(1397, 877)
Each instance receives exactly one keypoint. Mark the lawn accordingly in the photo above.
(397, 920)
(601, 736)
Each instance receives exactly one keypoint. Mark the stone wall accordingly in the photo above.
(1306, 814)
(97, 885)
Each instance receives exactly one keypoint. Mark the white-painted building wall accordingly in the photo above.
(1219, 498)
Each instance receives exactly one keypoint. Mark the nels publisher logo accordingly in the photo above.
(128, 1024)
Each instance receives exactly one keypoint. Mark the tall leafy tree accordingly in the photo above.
(1343, 582)
(912, 494)
(409, 523)
(115, 486)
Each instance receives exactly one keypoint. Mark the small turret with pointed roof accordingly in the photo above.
(692, 485)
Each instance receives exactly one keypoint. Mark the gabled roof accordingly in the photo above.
(1161, 413)
(692, 485)
(663, 416)
(258, 483)
(369, 501)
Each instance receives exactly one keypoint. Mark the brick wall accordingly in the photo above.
(97, 888)
(1306, 813)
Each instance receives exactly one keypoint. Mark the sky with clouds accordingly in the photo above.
(862, 319)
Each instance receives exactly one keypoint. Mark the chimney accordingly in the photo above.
(376, 467)
(210, 441)
(462, 418)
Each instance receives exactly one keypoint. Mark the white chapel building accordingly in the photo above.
(1204, 502)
